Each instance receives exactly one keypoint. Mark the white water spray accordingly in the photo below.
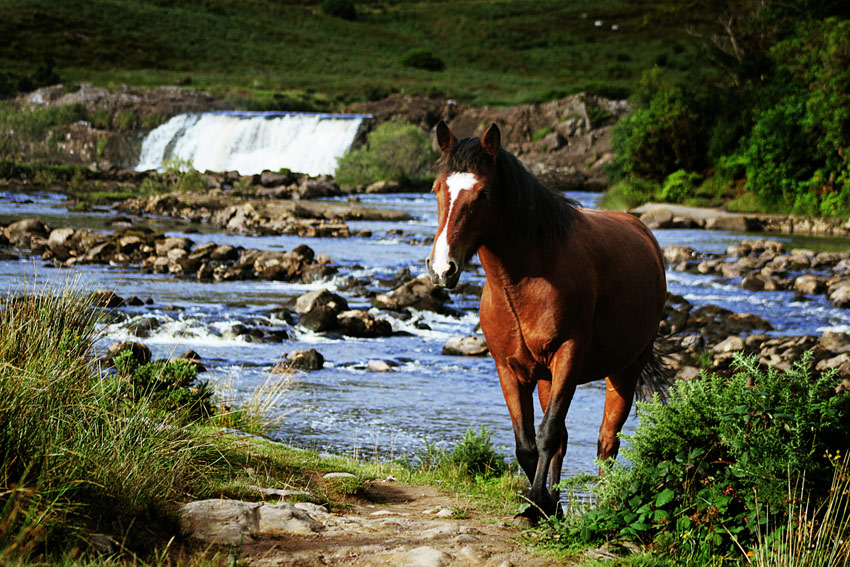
(249, 142)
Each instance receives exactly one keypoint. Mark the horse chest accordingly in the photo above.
(520, 337)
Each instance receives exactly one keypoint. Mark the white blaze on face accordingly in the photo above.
(457, 182)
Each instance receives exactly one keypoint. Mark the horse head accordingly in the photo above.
(463, 189)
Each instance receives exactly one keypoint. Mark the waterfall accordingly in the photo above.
(250, 142)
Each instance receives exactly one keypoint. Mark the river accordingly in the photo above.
(344, 408)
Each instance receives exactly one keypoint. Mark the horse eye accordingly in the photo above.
(483, 196)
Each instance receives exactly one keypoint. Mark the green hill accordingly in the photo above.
(291, 54)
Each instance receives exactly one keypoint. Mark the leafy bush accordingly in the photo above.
(394, 151)
(475, 455)
(679, 185)
(712, 468)
(662, 134)
(344, 9)
(168, 386)
(422, 59)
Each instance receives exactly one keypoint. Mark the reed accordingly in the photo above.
(77, 458)
(813, 535)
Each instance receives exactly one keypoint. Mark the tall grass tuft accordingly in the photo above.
(812, 536)
(76, 458)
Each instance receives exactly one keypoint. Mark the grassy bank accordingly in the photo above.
(91, 455)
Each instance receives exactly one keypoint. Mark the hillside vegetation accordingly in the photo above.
(292, 54)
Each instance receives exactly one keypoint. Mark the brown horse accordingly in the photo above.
(572, 295)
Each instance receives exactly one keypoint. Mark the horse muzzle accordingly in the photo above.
(447, 278)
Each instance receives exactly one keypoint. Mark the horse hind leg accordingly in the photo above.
(619, 396)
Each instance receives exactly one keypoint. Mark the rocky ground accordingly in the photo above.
(391, 524)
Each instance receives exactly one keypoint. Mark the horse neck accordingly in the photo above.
(508, 257)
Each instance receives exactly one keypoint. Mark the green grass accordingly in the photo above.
(86, 451)
(290, 54)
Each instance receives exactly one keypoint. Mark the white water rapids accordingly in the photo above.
(250, 142)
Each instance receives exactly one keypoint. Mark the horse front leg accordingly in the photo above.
(551, 434)
(555, 465)
(518, 393)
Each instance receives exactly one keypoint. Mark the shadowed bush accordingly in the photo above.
(394, 151)
(709, 473)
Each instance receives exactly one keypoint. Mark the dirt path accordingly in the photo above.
(412, 526)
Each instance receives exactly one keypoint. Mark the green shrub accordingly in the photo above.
(422, 59)
(475, 455)
(662, 134)
(680, 185)
(711, 469)
(168, 386)
(394, 151)
(344, 9)
(628, 194)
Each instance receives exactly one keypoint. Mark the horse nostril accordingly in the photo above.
(452, 269)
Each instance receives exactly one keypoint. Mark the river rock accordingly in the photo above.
(170, 243)
(21, 233)
(674, 255)
(282, 266)
(307, 360)
(419, 293)
(466, 346)
(378, 366)
(320, 297)
(320, 319)
(839, 294)
(360, 323)
(315, 189)
(657, 217)
(809, 284)
(225, 253)
(140, 352)
(836, 342)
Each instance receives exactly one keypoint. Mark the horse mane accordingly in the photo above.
(545, 216)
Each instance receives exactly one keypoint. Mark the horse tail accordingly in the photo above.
(659, 372)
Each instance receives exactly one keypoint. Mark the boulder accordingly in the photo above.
(657, 217)
(320, 297)
(225, 253)
(170, 243)
(677, 254)
(140, 352)
(378, 366)
(466, 346)
(21, 233)
(839, 294)
(307, 360)
(809, 284)
(835, 342)
(106, 298)
(320, 319)
(360, 323)
(231, 522)
(281, 266)
(419, 293)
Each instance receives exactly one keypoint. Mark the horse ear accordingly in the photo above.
(445, 138)
(491, 140)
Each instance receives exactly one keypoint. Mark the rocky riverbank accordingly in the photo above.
(665, 215)
(705, 337)
(764, 265)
